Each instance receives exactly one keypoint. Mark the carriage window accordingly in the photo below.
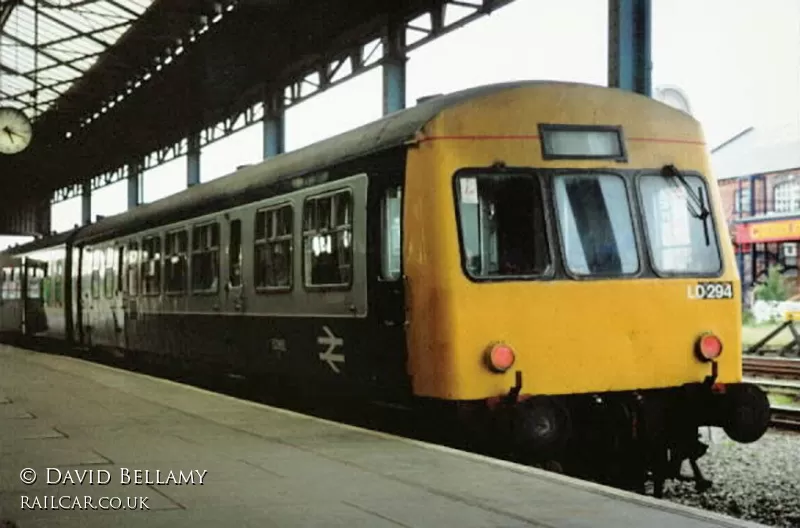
(9, 286)
(35, 282)
(150, 265)
(133, 268)
(109, 275)
(58, 283)
(47, 291)
(97, 266)
(176, 248)
(273, 248)
(235, 254)
(596, 226)
(392, 220)
(327, 239)
(205, 258)
(681, 241)
(502, 225)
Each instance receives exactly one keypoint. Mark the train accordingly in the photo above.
(544, 263)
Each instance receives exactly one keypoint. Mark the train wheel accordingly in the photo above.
(542, 426)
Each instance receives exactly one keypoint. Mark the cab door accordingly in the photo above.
(90, 288)
(117, 304)
(388, 293)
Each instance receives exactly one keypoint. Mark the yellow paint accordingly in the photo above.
(780, 230)
(569, 336)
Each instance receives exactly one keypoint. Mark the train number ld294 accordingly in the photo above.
(711, 290)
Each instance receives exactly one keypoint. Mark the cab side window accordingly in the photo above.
(391, 222)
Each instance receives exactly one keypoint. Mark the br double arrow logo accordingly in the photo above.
(332, 342)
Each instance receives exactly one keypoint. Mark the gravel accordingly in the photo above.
(757, 482)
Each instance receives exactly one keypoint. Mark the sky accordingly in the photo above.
(737, 61)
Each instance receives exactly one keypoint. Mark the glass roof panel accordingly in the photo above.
(47, 45)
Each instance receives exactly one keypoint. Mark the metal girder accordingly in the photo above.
(38, 86)
(78, 34)
(58, 65)
(53, 58)
(320, 75)
(6, 8)
(98, 182)
(177, 46)
(121, 7)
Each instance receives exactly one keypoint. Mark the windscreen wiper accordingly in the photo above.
(701, 213)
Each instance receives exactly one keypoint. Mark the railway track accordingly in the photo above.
(771, 366)
(786, 417)
(778, 376)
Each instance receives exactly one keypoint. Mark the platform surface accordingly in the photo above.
(260, 466)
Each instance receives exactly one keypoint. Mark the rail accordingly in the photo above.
(771, 366)
(786, 417)
(788, 384)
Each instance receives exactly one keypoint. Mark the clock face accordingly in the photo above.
(16, 130)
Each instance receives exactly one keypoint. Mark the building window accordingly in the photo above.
(327, 239)
(786, 197)
(205, 258)
(741, 200)
(151, 265)
(176, 247)
(273, 248)
(789, 250)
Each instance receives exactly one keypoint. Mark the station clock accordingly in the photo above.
(16, 130)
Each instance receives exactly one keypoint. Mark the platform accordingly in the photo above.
(248, 465)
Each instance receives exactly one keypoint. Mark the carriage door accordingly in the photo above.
(234, 287)
(118, 300)
(34, 320)
(10, 302)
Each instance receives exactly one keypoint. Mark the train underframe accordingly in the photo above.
(625, 439)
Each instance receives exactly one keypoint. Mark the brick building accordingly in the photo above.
(759, 177)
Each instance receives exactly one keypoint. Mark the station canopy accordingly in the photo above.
(47, 46)
(110, 84)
